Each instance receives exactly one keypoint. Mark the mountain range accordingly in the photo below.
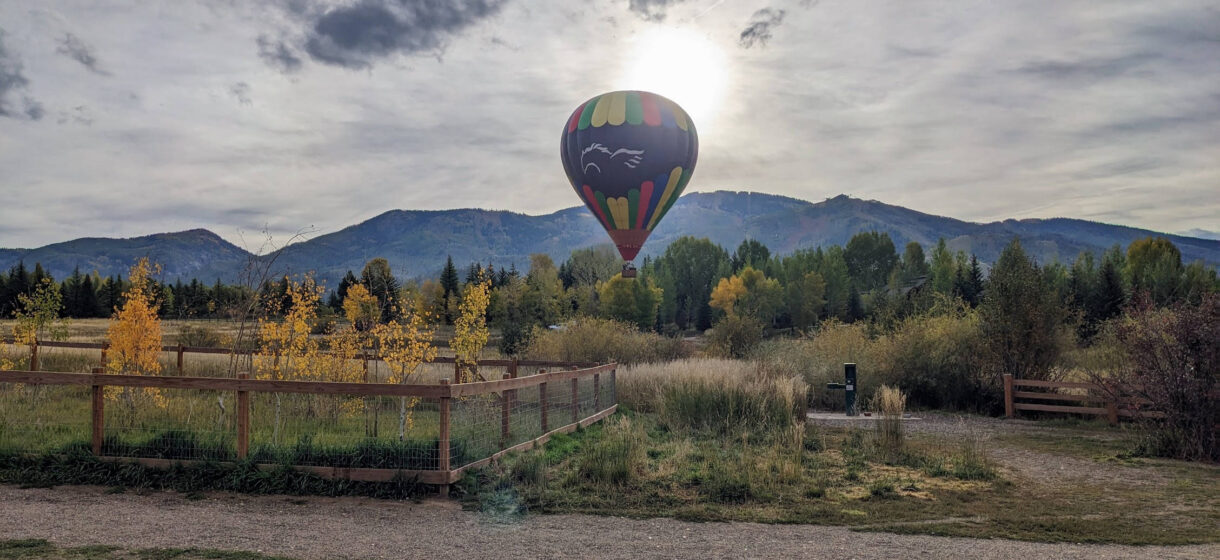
(417, 242)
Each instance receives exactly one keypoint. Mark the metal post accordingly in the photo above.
(442, 459)
(849, 389)
(506, 406)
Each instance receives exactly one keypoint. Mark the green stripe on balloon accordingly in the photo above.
(681, 186)
(601, 201)
(635, 110)
(587, 114)
(633, 200)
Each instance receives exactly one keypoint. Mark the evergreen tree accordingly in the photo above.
(88, 298)
(380, 282)
(968, 283)
(450, 287)
(345, 283)
(855, 308)
(71, 293)
(750, 253)
(1020, 316)
(944, 268)
(914, 264)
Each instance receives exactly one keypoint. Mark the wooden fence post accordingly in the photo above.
(506, 406)
(1112, 411)
(105, 347)
(442, 458)
(542, 405)
(99, 414)
(1008, 409)
(575, 400)
(597, 393)
(181, 352)
(512, 369)
(34, 356)
(243, 420)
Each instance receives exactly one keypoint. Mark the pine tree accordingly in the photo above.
(71, 293)
(450, 287)
(88, 298)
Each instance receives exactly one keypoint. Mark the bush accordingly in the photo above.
(735, 337)
(587, 339)
(939, 361)
(819, 360)
(1175, 363)
(722, 396)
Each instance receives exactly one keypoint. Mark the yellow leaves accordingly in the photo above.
(361, 307)
(135, 330)
(470, 328)
(404, 346)
(285, 344)
(726, 294)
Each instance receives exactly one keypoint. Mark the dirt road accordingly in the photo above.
(324, 528)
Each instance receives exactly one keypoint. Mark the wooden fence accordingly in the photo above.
(503, 391)
(366, 356)
(1087, 398)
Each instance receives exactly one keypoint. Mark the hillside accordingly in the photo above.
(416, 242)
(185, 254)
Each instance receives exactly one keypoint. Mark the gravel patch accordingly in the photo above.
(323, 528)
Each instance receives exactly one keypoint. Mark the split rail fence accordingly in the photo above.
(1084, 398)
(359, 431)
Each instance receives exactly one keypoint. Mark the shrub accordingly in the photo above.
(735, 336)
(1175, 363)
(722, 396)
(938, 361)
(587, 339)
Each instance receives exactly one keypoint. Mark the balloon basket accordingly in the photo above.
(629, 270)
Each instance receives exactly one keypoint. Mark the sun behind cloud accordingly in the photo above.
(681, 64)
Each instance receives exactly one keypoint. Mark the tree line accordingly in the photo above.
(696, 285)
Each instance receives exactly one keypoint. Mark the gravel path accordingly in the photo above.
(318, 528)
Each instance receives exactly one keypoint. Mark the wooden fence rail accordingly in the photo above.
(512, 365)
(505, 390)
(1104, 402)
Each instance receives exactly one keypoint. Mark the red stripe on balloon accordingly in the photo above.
(592, 201)
(652, 113)
(575, 120)
(645, 197)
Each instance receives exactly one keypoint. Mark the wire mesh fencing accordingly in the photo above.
(429, 429)
(39, 419)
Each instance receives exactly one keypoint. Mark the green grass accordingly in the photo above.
(841, 477)
(44, 550)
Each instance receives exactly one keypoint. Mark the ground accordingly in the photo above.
(366, 528)
(1064, 475)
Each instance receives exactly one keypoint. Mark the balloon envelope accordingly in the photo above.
(629, 155)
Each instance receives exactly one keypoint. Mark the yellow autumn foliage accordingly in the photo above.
(470, 328)
(135, 334)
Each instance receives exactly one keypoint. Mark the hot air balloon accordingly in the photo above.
(629, 155)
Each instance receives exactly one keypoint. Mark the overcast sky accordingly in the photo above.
(129, 118)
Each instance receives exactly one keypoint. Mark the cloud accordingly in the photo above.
(277, 54)
(241, 91)
(652, 10)
(11, 80)
(72, 47)
(761, 25)
(354, 36)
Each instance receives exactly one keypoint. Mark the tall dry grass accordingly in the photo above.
(717, 395)
(890, 403)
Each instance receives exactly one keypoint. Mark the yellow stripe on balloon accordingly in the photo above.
(680, 117)
(670, 186)
(601, 111)
(618, 108)
(622, 214)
